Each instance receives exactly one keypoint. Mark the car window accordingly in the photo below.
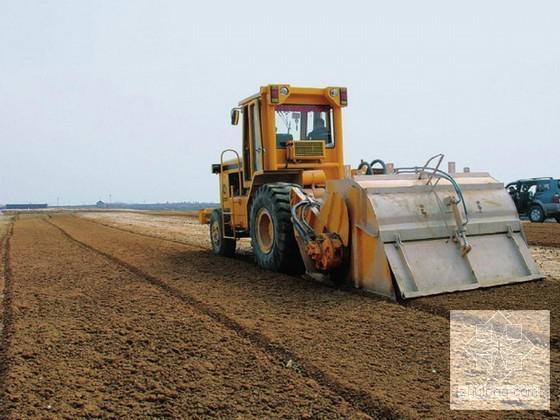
(525, 187)
(543, 187)
(532, 190)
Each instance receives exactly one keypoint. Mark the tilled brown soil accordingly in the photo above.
(112, 323)
(88, 337)
(174, 226)
(387, 356)
(535, 295)
(545, 234)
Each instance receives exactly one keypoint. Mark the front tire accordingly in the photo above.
(536, 214)
(220, 245)
(272, 234)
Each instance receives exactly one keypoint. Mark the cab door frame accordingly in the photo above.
(253, 150)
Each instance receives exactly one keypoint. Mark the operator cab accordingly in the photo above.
(287, 132)
(304, 122)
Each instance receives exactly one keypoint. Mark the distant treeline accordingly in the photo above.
(28, 206)
(185, 205)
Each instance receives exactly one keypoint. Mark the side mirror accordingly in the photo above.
(234, 116)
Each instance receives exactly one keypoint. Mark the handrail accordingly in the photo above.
(238, 165)
(441, 156)
(232, 210)
(439, 174)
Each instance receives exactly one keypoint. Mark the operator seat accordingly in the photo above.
(320, 134)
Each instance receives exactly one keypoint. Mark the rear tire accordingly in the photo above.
(536, 214)
(272, 234)
(220, 245)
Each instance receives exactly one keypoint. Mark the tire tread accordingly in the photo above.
(285, 256)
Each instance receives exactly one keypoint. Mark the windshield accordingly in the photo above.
(304, 122)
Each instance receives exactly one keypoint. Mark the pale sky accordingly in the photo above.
(132, 98)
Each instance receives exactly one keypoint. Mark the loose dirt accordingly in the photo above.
(545, 234)
(185, 228)
(262, 300)
(4, 227)
(150, 323)
(91, 338)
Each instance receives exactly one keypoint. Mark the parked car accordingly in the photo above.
(536, 198)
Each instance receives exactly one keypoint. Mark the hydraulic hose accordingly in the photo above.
(378, 161)
(439, 174)
(301, 225)
(363, 164)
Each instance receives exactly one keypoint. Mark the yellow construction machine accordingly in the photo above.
(397, 232)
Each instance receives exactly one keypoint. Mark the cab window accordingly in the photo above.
(304, 122)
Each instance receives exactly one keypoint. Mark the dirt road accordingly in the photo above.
(106, 322)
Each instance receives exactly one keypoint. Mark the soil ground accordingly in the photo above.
(127, 314)
(545, 234)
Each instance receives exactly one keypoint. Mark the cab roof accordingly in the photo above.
(335, 96)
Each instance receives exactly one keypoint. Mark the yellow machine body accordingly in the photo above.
(263, 159)
(404, 232)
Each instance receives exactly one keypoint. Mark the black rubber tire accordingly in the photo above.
(557, 219)
(536, 214)
(283, 255)
(220, 245)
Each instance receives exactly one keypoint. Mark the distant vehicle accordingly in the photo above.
(536, 198)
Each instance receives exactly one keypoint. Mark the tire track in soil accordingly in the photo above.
(431, 310)
(358, 398)
(424, 409)
(7, 315)
(241, 257)
(146, 235)
(118, 345)
(436, 310)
